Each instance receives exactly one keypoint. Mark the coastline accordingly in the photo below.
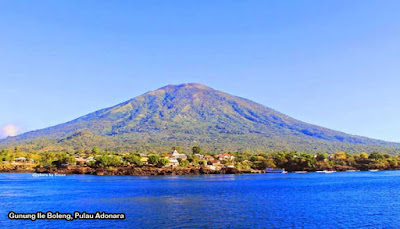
(127, 170)
(149, 171)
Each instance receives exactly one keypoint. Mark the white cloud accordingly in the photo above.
(9, 130)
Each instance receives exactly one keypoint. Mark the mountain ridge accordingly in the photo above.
(195, 114)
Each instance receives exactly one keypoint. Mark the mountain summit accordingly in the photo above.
(194, 114)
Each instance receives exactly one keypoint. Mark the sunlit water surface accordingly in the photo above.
(338, 200)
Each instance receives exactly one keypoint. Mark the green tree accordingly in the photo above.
(269, 163)
(96, 150)
(154, 159)
(133, 159)
(241, 158)
(79, 151)
(46, 159)
(63, 158)
(322, 156)
(184, 163)
(340, 156)
(108, 160)
(364, 156)
(253, 158)
(196, 150)
(163, 161)
(376, 156)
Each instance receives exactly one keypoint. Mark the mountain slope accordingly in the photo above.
(194, 114)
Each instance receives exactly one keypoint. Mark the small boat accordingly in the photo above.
(300, 171)
(274, 170)
(373, 170)
(325, 171)
(351, 170)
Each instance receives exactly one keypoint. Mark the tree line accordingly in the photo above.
(290, 161)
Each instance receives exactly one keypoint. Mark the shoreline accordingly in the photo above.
(152, 171)
(133, 171)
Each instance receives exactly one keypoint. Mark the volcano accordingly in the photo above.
(193, 114)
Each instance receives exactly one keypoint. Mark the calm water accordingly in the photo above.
(339, 200)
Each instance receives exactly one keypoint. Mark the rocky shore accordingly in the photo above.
(17, 169)
(126, 170)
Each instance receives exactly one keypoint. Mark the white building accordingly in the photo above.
(177, 155)
(173, 162)
(20, 159)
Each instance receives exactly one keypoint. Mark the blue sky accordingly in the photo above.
(330, 63)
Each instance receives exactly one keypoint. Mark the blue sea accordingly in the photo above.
(338, 200)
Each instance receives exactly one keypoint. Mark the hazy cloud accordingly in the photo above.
(9, 130)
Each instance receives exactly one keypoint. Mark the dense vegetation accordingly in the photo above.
(193, 113)
(291, 161)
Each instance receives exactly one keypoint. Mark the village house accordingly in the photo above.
(83, 161)
(225, 156)
(209, 158)
(177, 155)
(22, 160)
(80, 161)
(173, 158)
(211, 167)
(173, 162)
